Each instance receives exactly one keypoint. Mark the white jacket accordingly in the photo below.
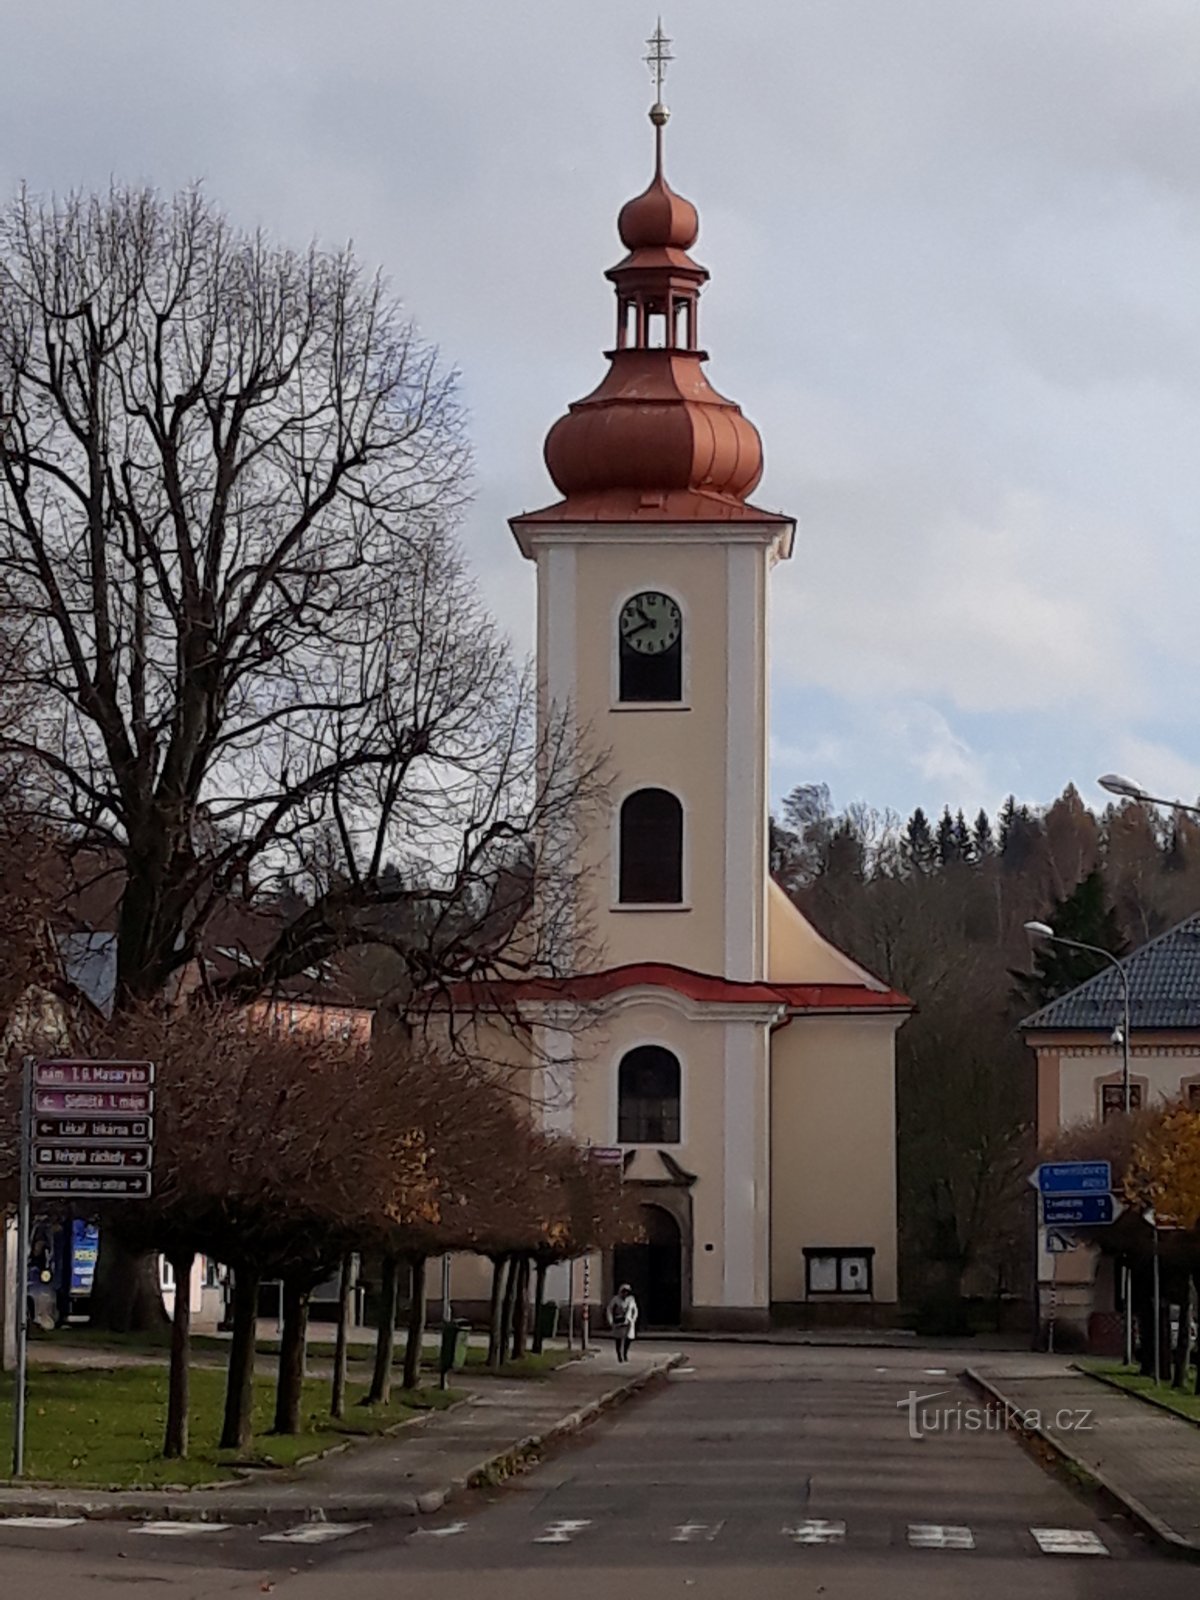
(623, 1314)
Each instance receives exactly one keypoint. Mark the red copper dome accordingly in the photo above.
(655, 440)
(659, 217)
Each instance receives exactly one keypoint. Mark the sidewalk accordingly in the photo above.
(406, 1473)
(1140, 1454)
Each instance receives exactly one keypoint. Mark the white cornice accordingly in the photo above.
(533, 537)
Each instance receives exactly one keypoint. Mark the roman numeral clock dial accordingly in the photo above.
(650, 623)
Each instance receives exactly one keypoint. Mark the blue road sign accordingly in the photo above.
(1074, 1177)
(1080, 1210)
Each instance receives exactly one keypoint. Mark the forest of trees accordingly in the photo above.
(938, 907)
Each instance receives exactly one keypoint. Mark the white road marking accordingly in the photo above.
(939, 1536)
(1069, 1542)
(935, 1372)
(693, 1532)
(180, 1530)
(314, 1533)
(40, 1522)
(441, 1533)
(561, 1532)
(814, 1530)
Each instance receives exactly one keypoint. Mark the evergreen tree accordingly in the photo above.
(964, 845)
(946, 846)
(1086, 916)
(982, 839)
(1008, 813)
(919, 848)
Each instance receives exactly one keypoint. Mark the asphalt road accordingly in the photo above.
(762, 1471)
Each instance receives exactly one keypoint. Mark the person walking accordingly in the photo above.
(622, 1318)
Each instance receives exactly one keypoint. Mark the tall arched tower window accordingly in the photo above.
(651, 849)
(650, 648)
(648, 1096)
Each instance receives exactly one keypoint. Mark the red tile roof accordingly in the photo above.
(700, 986)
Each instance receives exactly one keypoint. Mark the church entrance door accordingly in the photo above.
(654, 1269)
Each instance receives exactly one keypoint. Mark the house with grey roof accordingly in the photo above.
(1077, 1042)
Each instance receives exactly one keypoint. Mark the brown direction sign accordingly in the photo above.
(95, 1102)
(93, 1130)
(98, 1185)
(93, 1074)
(135, 1157)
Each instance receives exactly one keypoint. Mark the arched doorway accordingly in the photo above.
(653, 1268)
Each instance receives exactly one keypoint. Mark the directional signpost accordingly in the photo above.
(1080, 1210)
(87, 1132)
(1073, 1177)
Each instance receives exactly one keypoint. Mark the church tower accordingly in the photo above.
(652, 575)
(737, 1065)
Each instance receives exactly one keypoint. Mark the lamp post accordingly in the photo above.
(1042, 930)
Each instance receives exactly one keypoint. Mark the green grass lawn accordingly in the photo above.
(1183, 1401)
(211, 1349)
(103, 1428)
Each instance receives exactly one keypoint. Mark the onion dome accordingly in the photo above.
(655, 439)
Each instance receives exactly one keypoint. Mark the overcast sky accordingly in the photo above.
(956, 259)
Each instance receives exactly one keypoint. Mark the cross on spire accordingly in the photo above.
(657, 58)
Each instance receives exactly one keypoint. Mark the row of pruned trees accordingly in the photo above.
(282, 1155)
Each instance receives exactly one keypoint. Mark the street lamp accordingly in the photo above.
(1043, 930)
(1114, 783)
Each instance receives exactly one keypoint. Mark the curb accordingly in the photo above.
(166, 1505)
(1141, 1513)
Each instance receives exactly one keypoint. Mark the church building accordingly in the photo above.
(744, 1067)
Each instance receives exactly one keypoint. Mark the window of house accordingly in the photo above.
(650, 648)
(651, 849)
(1112, 1099)
(648, 1096)
(1191, 1095)
(839, 1271)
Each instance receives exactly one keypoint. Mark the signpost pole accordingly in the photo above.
(23, 1209)
(1157, 1310)
(585, 1312)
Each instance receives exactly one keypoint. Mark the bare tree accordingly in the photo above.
(229, 479)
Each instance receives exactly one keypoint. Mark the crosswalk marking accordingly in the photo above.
(40, 1522)
(180, 1530)
(441, 1533)
(561, 1532)
(314, 1533)
(1069, 1542)
(940, 1536)
(693, 1532)
(815, 1530)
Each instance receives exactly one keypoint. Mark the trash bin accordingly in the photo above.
(548, 1320)
(454, 1346)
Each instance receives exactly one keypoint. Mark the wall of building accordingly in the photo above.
(833, 1148)
(714, 761)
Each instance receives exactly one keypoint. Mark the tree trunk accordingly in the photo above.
(416, 1325)
(239, 1389)
(506, 1312)
(521, 1310)
(341, 1351)
(175, 1440)
(1142, 1288)
(126, 1296)
(380, 1391)
(496, 1313)
(1183, 1340)
(539, 1300)
(293, 1343)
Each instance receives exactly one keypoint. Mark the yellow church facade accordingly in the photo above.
(743, 1066)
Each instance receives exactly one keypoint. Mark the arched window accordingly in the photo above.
(651, 849)
(650, 648)
(648, 1096)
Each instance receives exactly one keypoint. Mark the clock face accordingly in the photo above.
(650, 623)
